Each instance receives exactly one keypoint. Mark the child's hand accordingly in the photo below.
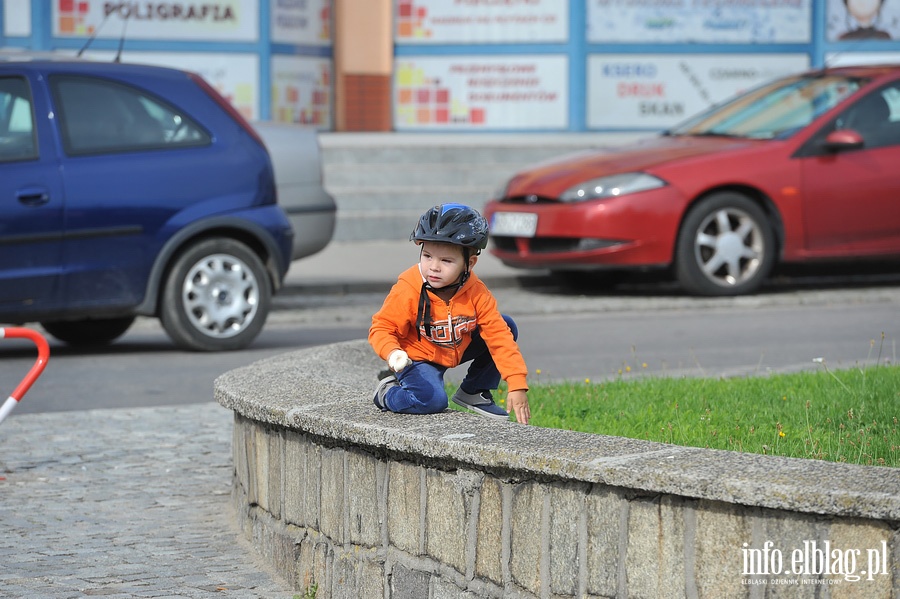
(398, 360)
(518, 403)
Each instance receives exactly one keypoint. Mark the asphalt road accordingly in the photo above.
(564, 334)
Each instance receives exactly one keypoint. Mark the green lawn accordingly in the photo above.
(840, 416)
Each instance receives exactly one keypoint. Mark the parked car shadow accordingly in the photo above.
(661, 283)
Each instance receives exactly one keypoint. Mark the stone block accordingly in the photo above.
(295, 448)
(865, 551)
(409, 584)
(448, 505)
(371, 579)
(331, 508)
(345, 581)
(256, 467)
(672, 546)
(362, 497)
(526, 539)
(312, 567)
(489, 541)
(566, 511)
(351, 578)
(261, 451)
(785, 531)
(604, 509)
(654, 565)
(312, 486)
(404, 507)
(719, 532)
(275, 463)
(239, 450)
(285, 550)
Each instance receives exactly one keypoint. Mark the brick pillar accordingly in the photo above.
(366, 102)
(363, 64)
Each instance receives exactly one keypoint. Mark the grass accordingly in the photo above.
(310, 593)
(840, 416)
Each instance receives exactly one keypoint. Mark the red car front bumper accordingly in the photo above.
(632, 231)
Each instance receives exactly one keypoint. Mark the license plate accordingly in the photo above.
(514, 224)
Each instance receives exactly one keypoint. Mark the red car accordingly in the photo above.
(803, 168)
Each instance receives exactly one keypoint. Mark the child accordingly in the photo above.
(440, 314)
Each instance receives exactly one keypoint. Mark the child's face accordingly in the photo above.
(442, 263)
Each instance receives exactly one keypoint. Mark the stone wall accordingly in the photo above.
(362, 504)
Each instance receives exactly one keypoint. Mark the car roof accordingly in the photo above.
(862, 70)
(66, 62)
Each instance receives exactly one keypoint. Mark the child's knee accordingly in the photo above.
(512, 325)
(436, 404)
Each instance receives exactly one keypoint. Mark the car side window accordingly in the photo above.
(17, 132)
(876, 118)
(101, 116)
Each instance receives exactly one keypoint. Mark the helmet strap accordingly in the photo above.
(423, 313)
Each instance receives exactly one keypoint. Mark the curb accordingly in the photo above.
(347, 287)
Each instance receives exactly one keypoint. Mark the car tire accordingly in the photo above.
(216, 296)
(89, 332)
(725, 247)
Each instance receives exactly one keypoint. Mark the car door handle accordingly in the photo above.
(33, 196)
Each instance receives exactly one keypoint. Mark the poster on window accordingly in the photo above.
(235, 76)
(659, 91)
(699, 21)
(480, 21)
(17, 18)
(301, 22)
(481, 93)
(221, 20)
(856, 20)
(301, 90)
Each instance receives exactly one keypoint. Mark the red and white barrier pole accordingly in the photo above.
(33, 374)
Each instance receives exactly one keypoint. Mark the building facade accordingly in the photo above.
(467, 65)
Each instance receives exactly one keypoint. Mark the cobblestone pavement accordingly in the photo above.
(124, 503)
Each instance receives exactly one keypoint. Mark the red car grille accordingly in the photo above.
(551, 245)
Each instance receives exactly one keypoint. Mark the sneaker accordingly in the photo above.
(381, 390)
(481, 403)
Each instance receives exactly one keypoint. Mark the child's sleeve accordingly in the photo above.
(500, 342)
(391, 324)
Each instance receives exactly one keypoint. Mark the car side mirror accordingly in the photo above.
(843, 139)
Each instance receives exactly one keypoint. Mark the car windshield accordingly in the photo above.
(774, 110)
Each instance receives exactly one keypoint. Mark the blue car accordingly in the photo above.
(133, 190)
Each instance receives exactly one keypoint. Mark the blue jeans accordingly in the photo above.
(421, 389)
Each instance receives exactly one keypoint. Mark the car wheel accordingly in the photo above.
(85, 333)
(216, 296)
(725, 247)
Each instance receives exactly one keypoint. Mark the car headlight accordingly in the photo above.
(611, 186)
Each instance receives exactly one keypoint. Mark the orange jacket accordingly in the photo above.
(473, 305)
